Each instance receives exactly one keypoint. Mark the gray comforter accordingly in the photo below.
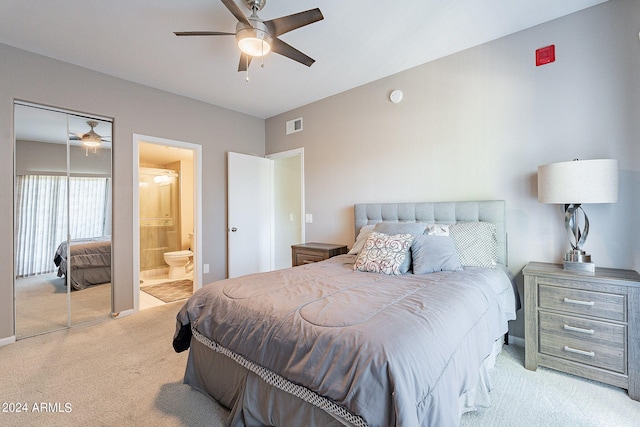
(393, 350)
(90, 261)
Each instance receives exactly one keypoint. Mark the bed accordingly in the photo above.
(89, 261)
(347, 341)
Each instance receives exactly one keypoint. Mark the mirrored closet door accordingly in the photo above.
(62, 235)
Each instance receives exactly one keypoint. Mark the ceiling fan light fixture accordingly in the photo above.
(91, 138)
(254, 41)
(254, 46)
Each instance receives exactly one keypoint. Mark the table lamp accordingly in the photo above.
(572, 184)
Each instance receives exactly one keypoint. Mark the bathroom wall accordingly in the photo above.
(160, 230)
(155, 238)
(186, 202)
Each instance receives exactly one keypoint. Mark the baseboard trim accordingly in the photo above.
(516, 341)
(7, 340)
(125, 313)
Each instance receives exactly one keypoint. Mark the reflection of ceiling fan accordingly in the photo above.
(90, 139)
(256, 37)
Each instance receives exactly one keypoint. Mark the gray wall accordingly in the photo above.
(475, 125)
(32, 156)
(135, 109)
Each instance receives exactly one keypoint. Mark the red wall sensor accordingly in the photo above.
(545, 55)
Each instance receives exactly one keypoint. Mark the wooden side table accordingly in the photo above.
(586, 324)
(306, 253)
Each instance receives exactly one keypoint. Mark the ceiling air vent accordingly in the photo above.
(294, 125)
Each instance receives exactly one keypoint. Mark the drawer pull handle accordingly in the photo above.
(582, 352)
(574, 329)
(578, 302)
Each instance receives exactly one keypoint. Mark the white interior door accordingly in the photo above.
(250, 212)
(288, 204)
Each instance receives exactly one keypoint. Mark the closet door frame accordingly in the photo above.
(68, 173)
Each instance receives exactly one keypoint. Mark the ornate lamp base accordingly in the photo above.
(577, 260)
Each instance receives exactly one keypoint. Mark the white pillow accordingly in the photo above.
(383, 253)
(365, 230)
(437, 229)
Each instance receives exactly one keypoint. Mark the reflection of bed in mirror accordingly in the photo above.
(89, 261)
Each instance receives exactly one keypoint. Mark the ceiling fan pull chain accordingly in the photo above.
(262, 56)
(247, 78)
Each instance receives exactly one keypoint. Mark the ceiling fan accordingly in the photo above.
(90, 139)
(256, 37)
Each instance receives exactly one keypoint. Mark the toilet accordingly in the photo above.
(178, 260)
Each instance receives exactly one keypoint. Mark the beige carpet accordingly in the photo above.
(121, 372)
(548, 398)
(170, 291)
(42, 303)
(124, 372)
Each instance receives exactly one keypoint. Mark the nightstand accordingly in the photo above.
(584, 324)
(306, 253)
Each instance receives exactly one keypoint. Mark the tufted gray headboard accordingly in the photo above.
(438, 213)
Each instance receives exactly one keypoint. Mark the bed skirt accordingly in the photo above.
(256, 396)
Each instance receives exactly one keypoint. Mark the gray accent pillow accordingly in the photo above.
(434, 253)
(391, 228)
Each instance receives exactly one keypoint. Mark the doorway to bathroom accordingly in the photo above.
(167, 201)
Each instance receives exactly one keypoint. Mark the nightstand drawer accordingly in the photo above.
(597, 304)
(586, 341)
(584, 324)
(307, 253)
(308, 257)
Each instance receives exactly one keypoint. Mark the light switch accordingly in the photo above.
(309, 218)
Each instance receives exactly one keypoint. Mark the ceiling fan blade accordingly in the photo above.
(202, 33)
(288, 23)
(235, 10)
(245, 60)
(280, 47)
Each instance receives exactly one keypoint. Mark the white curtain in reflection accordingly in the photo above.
(41, 220)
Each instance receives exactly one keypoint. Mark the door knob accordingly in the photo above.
(233, 229)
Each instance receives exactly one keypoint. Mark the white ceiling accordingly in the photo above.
(55, 126)
(357, 42)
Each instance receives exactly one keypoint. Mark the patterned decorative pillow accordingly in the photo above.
(476, 243)
(391, 228)
(383, 253)
(437, 229)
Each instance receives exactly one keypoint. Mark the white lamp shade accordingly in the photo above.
(578, 181)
